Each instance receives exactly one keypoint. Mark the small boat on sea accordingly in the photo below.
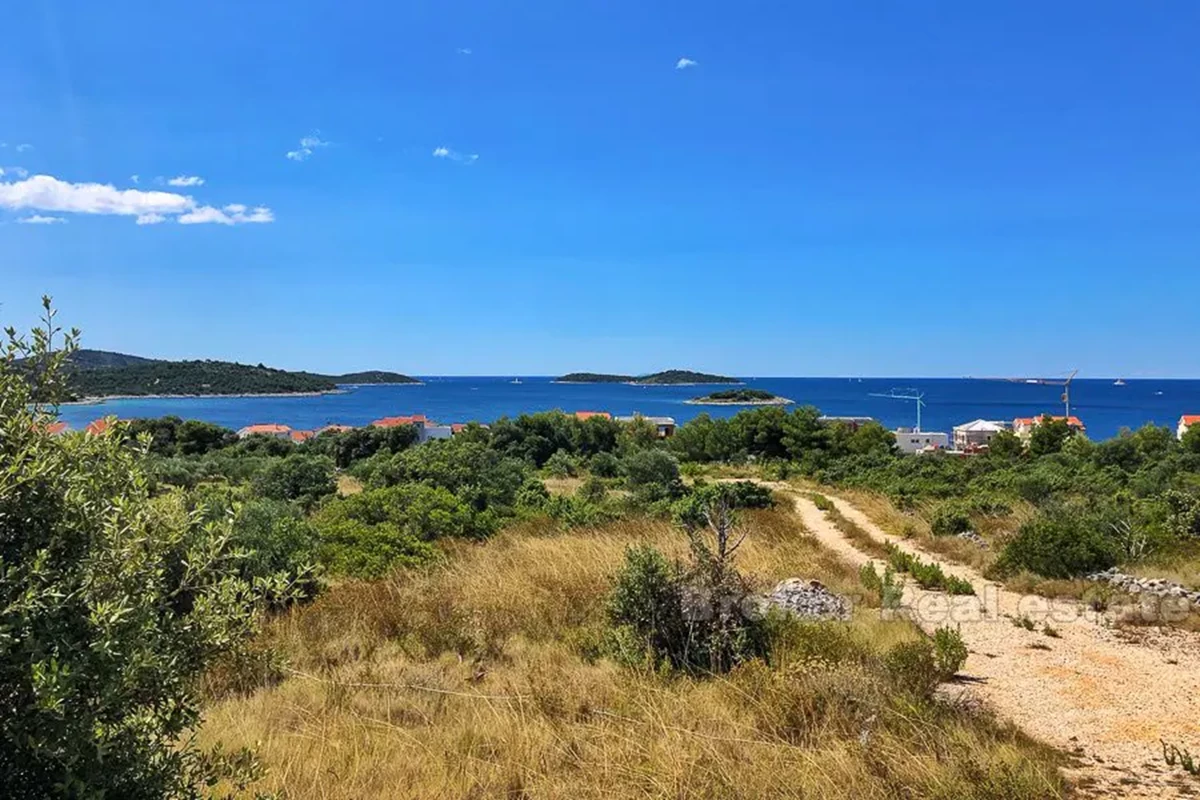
(515, 380)
(1119, 382)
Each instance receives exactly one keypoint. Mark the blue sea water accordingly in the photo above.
(1103, 407)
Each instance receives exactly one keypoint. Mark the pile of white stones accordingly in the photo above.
(809, 599)
(1158, 587)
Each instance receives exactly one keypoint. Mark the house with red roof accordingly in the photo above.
(300, 437)
(1185, 422)
(583, 416)
(416, 420)
(1023, 426)
(266, 429)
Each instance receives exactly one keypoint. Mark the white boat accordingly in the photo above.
(515, 380)
(1119, 382)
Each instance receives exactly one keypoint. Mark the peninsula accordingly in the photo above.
(740, 397)
(670, 377)
(97, 374)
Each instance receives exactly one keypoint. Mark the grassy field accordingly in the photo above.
(485, 677)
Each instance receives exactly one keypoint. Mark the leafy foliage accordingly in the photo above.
(111, 605)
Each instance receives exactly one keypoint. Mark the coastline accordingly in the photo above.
(95, 401)
(774, 401)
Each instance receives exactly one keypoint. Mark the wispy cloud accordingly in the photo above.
(38, 219)
(45, 193)
(186, 180)
(685, 63)
(21, 148)
(463, 51)
(455, 156)
(134, 179)
(232, 214)
(308, 145)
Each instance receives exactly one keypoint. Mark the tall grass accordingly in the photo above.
(484, 677)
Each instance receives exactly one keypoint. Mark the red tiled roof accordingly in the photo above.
(1072, 421)
(98, 426)
(1190, 419)
(302, 436)
(581, 415)
(394, 422)
(457, 427)
(265, 428)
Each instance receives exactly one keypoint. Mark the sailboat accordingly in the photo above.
(515, 380)
(1119, 382)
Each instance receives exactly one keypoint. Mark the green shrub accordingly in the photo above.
(1061, 542)
(532, 494)
(913, 667)
(652, 474)
(303, 478)
(646, 608)
(605, 465)
(949, 652)
(561, 465)
(950, 518)
(593, 490)
(927, 575)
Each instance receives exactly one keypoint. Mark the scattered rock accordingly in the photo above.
(1158, 587)
(974, 538)
(808, 599)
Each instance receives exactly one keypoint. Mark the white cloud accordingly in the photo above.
(232, 214)
(684, 63)
(463, 51)
(454, 155)
(186, 180)
(47, 193)
(21, 148)
(307, 145)
(134, 179)
(38, 219)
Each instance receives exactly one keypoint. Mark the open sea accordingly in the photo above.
(1103, 407)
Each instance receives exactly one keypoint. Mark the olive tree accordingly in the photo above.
(111, 603)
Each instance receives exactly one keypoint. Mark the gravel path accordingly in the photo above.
(1092, 693)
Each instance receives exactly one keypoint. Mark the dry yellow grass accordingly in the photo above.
(348, 485)
(483, 678)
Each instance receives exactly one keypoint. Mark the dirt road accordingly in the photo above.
(1089, 692)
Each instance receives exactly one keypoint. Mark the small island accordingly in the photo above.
(670, 377)
(740, 397)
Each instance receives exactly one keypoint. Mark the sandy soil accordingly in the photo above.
(1094, 693)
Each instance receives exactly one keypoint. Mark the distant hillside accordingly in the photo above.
(103, 359)
(682, 376)
(99, 373)
(593, 377)
(670, 377)
(373, 376)
(194, 378)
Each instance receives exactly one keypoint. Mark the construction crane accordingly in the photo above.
(911, 394)
(1063, 382)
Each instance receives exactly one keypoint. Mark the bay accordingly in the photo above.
(1103, 407)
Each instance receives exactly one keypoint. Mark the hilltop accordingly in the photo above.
(670, 377)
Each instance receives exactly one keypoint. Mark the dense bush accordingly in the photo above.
(303, 478)
(949, 518)
(1062, 542)
(276, 540)
(652, 474)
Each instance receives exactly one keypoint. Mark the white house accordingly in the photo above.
(664, 426)
(1185, 422)
(914, 441)
(974, 435)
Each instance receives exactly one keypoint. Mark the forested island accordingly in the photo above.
(99, 374)
(740, 397)
(670, 377)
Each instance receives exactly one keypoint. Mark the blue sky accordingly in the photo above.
(832, 188)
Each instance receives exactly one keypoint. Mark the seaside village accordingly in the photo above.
(969, 438)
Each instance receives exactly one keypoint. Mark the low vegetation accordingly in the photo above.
(734, 397)
(681, 377)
